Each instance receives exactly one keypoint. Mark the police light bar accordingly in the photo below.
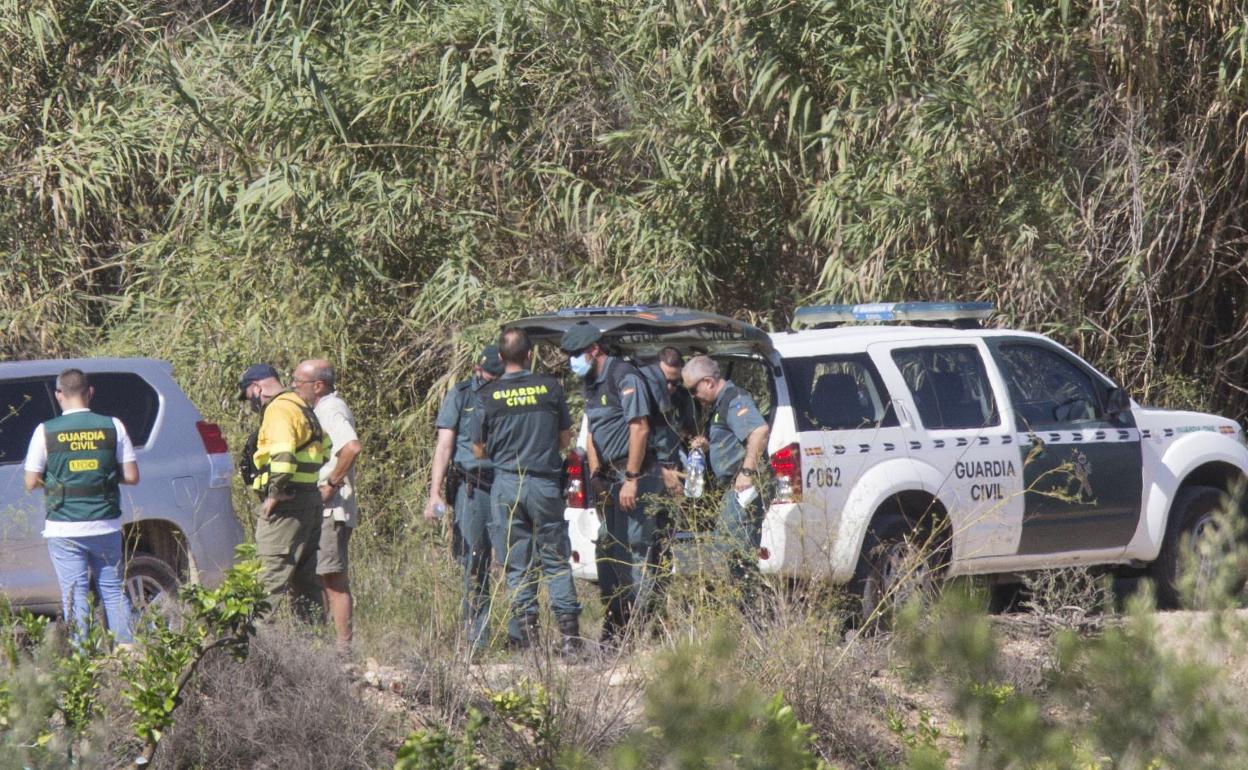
(921, 312)
(573, 312)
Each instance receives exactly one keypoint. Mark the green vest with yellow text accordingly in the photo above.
(81, 479)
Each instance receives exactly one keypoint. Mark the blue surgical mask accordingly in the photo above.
(580, 365)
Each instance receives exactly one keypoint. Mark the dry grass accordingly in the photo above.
(290, 706)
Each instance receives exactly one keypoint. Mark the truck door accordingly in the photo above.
(1082, 469)
(26, 577)
(954, 425)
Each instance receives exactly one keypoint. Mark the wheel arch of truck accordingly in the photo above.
(904, 484)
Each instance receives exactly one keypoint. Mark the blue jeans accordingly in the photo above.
(75, 559)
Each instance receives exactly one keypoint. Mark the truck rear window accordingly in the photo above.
(23, 405)
(838, 393)
(129, 398)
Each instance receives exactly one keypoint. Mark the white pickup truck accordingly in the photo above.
(894, 421)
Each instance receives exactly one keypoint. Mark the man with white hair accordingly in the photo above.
(315, 382)
(735, 442)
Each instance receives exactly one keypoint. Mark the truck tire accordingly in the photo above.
(151, 584)
(1192, 516)
(897, 562)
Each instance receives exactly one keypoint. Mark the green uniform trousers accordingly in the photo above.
(628, 551)
(472, 518)
(286, 542)
(740, 530)
(531, 541)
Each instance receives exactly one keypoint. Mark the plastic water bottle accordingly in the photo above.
(439, 509)
(695, 478)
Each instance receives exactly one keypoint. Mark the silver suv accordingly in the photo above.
(178, 521)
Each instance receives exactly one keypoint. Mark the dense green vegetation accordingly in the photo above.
(217, 182)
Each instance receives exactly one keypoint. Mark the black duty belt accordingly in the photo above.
(552, 475)
(615, 470)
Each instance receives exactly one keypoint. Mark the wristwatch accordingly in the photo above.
(632, 476)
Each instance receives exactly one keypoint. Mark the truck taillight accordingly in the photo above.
(575, 467)
(786, 465)
(210, 434)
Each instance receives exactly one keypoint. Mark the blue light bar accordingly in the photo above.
(927, 312)
(572, 312)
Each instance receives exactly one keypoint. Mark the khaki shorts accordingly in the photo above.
(331, 557)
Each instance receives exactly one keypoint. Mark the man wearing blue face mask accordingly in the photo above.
(618, 409)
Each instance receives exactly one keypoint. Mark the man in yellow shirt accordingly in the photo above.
(290, 450)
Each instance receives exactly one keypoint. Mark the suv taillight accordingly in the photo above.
(575, 467)
(214, 442)
(786, 465)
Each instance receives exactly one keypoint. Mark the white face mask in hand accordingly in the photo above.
(746, 496)
(580, 365)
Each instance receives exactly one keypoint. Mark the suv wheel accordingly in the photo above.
(899, 561)
(151, 584)
(1193, 521)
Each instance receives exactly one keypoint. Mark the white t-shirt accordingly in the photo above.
(37, 462)
(336, 419)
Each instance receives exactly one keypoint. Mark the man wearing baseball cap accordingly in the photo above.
(290, 449)
(618, 409)
(467, 486)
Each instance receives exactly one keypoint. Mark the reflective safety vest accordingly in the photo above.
(291, 446)
(80, 482)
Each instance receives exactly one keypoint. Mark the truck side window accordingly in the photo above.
(129, 398)
(1047, 389)
(23, 405)
(838, 393)
(949, 385)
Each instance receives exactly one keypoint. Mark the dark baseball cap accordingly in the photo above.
(253, 373)
(579, 337)
(490, 361)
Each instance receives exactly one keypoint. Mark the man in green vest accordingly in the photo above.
(79, 459)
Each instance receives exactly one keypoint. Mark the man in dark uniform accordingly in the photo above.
(672, 418)
(522, 425)
(618, 408)
(735, 442)
(467, 486)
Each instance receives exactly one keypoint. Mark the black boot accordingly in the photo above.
(570, 627)
(523, 633)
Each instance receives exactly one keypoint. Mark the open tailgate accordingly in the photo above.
(645, 329)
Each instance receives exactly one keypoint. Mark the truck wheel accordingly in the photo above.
(898, 561)
(1192, 520)
(151, 584)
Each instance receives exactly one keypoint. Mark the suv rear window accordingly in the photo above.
(949, 385)
(129, 398)
(23, 405)
(838, 393)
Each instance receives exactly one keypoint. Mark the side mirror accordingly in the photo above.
(1117, 401)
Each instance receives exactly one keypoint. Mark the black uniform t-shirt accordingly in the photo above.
(613, 399)
(518, 418)
(671, 415)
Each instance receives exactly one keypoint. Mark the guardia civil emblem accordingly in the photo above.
(1083, 474)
